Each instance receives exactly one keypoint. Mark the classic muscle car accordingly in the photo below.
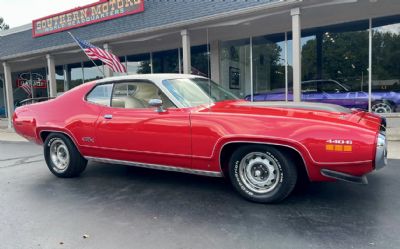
(333, 92)
(173, 122)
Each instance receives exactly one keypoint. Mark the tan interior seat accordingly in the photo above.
(132, 102)
(118, 102)
(145, 92)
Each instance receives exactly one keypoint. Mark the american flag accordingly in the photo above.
(27, 88)
(96, 53)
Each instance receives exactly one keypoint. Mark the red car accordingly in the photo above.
(187, 123)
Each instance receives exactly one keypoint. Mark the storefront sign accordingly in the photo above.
(82, 16)
(35, 80)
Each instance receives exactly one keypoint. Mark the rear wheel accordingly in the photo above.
(262, 173)
(62, 157)
(382, 107)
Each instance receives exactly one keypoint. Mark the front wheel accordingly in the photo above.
(262, 173)
(382, 107)
(62, 157)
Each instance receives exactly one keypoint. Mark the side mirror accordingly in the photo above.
(158, 104)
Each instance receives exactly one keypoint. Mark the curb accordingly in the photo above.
(9, 135)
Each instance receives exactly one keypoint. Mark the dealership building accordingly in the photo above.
(290, 47)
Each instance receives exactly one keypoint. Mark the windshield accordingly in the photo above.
(218, 93)
(194, 92)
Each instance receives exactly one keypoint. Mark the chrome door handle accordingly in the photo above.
(108, 116)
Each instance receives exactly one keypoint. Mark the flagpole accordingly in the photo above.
(102, 72)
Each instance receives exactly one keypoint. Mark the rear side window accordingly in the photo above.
(101, 95)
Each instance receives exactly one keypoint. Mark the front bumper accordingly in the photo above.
(381, 147)
(381, 152)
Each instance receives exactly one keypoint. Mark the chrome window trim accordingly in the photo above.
(156, 166)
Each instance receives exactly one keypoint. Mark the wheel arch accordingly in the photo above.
(229, 147)
(44, 133)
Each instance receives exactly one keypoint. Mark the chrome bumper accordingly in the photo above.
(381, 152)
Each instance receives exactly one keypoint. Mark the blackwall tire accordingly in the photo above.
(62, 157)
(262, 173)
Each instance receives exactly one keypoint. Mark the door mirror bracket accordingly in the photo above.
(158, 104)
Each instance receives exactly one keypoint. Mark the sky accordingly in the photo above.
(19, 12)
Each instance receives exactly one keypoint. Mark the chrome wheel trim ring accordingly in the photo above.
(59, 155)
(381, 107)
(259, 172)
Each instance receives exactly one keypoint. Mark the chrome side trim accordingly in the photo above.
(138, 151)
(156, 166)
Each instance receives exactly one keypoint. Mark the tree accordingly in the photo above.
(345, 58)
(3, 26)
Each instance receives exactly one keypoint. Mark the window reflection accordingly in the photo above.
(138, 64)
(386, 64)
(269, 63)
(166, 61)
(235, 66)
(93, 70)
(60, 79)
(199, 61)
(34, 82)
(76, 75)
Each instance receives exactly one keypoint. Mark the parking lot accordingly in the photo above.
(124, 207)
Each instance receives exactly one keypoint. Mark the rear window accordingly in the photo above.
(101, 95)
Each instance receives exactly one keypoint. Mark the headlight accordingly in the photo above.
(381, 152)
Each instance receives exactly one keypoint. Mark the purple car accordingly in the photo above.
(332, 92)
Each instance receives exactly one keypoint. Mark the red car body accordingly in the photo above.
(193, 139)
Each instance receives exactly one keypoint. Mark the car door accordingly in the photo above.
(334, 93)
(309, 92)
(131, 130)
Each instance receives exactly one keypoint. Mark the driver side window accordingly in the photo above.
(136, 95)
(309, 87)
(329, 87)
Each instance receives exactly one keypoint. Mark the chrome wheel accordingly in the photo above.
(259, 172)
(381, 107)
(59, 155)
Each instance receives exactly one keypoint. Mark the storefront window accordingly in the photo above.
(60, 79)
(235, 66)
(166, 61)
(138, 64)
(2, 98)
(93, 71)
(335, 65)
(29, 84)
(76, 75)
(200, 60)
(269, 66)
(386, 65)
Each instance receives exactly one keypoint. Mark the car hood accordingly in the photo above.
(300, 110)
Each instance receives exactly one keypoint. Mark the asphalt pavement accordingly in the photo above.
(112, 206)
